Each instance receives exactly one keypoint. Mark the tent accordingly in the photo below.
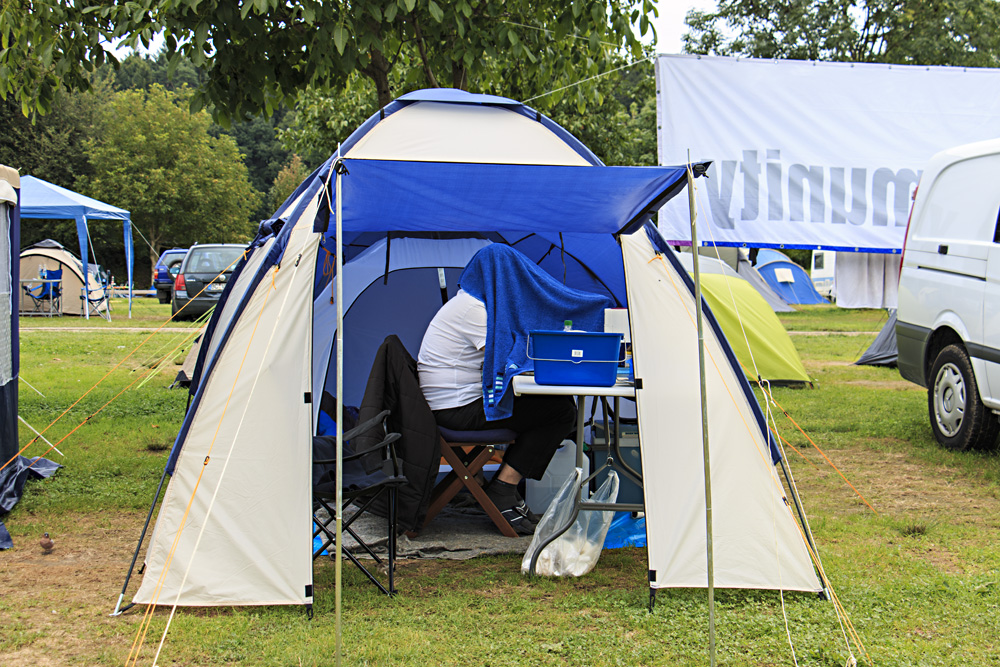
(10, 239)
(883, 350)
(49, 255)
(758, 339)
(745, 271)
(43, 200)
(789, 280)
(448, 168)
(750, 274)
(760, 342)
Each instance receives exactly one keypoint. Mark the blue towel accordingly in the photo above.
(519, 298)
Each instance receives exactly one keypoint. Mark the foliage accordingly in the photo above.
(949, 32)
(621, 128)
(289, 178)
(50, 147)
(257, 55)
(157, 159)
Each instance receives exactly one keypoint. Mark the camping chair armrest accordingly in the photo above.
(387, 442)
(366, 425)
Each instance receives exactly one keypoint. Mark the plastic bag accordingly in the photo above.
(575, 552)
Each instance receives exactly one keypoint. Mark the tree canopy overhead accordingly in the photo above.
(255, 55)
(912, 32)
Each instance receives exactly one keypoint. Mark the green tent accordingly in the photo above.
(773, 351)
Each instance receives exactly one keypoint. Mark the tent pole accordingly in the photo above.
(338, 551)
(704, 421)
(142, 536)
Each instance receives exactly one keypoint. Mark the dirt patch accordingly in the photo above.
(54, 607)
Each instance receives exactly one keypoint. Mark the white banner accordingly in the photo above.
(811, 154)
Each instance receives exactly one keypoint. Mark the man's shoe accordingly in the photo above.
(517, 517)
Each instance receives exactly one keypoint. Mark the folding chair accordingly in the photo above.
(467, 452)
(360, 488)
(47, 291)
(97, 300)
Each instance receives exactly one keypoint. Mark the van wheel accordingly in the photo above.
(958, 417)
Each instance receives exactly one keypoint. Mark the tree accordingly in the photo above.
(256, 55)
(289, 177)
(154, 157)
(916, 32)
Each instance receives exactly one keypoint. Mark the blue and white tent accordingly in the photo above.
(47, 201)
(789, 280)
(355, 254)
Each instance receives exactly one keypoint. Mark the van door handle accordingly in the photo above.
(942, 250)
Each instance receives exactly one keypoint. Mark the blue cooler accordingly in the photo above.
(586, 358)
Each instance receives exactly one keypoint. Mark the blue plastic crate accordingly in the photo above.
(587, 358)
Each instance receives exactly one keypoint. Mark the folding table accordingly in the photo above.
(525, 384)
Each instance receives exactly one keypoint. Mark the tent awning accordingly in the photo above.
(457, 197)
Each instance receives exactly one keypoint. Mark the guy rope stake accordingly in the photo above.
(704, 420)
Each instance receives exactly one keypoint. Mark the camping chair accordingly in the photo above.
(467, 452)
(97, 305)
(47, 291)
(360, 488)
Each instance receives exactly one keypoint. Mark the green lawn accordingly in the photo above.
(919, 577)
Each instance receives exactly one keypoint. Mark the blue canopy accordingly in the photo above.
(47, 201)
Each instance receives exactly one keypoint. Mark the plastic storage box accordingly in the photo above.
(586, 358)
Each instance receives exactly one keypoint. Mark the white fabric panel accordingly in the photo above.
(758, 543)
(444, 132)
(867, 280)
(801, 152)
(235, 296)
(366, 268)
(250, 514)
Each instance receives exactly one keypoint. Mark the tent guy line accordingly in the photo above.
(98, 383)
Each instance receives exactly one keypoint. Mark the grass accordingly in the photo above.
(920, 576)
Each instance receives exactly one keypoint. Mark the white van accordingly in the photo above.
(823, 271)
(948, 327)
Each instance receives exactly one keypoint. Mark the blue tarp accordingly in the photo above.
(47, 201)
(12, 479)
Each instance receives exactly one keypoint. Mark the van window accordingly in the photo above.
(996, 233)
(963, 202)
(818, 261)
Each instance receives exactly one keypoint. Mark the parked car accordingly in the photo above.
(823, 271)
(165, 272)
(202, 278)
(948, 322)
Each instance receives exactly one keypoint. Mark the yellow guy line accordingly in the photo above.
(150, 608)
(108, 374)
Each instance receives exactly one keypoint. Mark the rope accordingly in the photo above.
(590, 78)
(98, 383)
(147, 618)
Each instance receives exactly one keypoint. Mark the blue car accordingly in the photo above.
(165, 271)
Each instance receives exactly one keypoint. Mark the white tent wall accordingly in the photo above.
(757, 541)
(239, 499)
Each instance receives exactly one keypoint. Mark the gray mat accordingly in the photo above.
(456, 533)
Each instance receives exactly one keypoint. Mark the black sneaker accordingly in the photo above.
(534, 518)
(517, 517)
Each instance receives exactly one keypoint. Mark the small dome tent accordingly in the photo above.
(415, 190)
(788, 279)
(50, 255)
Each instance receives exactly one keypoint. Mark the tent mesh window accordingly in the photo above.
(6, 356)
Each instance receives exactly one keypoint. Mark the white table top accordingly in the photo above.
(525, 384)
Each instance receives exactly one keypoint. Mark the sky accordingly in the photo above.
(670, 23)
